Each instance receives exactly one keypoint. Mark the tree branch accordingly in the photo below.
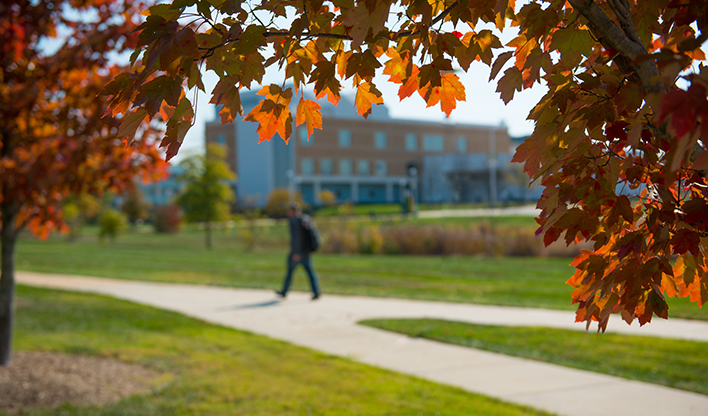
(624, 17)
(620, 40)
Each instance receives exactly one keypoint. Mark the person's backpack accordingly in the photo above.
(311, 239)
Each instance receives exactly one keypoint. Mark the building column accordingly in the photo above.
(355, 192)
(317, 188)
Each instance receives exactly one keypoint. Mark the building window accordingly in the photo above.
(380, 140)
(220, 139)
(307, 166)
(345, 167)
(411, 142)
(462, 144)
(345, 138)
(380, 168)
(304, 139)
(325, 166)
(433, 143)
(362, 167)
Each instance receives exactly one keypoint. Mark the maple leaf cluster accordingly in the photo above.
(618, 141)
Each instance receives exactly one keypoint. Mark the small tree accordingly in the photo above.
(56, 136)
(134, 206)
(207, 197)
(78, 209)
(112, 223)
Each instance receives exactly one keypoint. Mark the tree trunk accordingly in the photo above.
(207, 230)
(8, 238)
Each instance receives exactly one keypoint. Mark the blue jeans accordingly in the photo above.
(305, 261)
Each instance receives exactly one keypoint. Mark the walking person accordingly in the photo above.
(301, 247)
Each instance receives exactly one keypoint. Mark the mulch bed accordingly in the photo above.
(49, 379)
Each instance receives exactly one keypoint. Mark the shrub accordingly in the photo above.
(328, 198)
(479, 239)
(167, 219)
(276, 205)
(371, 240)
(341, 241)
(249, 237)
(111, 223)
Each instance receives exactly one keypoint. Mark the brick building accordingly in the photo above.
(371, 161)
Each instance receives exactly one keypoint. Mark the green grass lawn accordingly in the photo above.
(674, 363)
(220, 371)
(517, 281)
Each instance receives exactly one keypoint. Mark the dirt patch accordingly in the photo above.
(48, 379)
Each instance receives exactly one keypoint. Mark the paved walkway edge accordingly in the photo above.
(329, 325)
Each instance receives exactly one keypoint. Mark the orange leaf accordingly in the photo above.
(447, 94)
(279, 121)
(396, 67)
(410, 85)
(366, 94)
(272, 118)
(308, 112)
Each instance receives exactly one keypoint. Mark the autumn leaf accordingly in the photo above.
(511, 81)
(272, 119)
(362, 64)
(131, 122)
(447, 94)
(499, 63)
(226, 93)
(308, 112)
(154, 92)
(363, 18)
(366, 95)
(410, 85)
(174, 137)
(325, 81)
(572, 42)
(524, 47)
(396, 67)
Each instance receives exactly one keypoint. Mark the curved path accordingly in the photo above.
(329, 325)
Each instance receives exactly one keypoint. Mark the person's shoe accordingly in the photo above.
(280, 294)
(315, 296)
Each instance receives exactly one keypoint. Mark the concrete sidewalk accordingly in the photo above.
(522, 211)
(329, 325)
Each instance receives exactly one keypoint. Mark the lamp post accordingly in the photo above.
(492, 163)
(413, 172)
(291, 186)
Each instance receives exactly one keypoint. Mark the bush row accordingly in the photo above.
(478, 239)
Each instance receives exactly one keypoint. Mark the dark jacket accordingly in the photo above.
(297, 245)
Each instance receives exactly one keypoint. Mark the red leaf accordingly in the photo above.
(131, 122)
